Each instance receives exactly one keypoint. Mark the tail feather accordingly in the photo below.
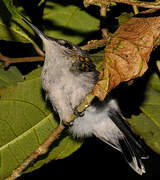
(131, 152)
(132, 155)
(105, 121)
(130, 147)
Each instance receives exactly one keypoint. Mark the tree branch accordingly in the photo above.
(94, 44)
(152, 5)
(42, 149)
(7, 60)
(103, 10)
(38, 50)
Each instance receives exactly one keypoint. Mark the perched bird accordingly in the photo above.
(68, 75)
(104, 120)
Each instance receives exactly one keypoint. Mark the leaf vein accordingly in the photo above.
(24, 133)
(72, 14)
(150, 117)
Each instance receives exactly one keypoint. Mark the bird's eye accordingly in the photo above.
(68, 45)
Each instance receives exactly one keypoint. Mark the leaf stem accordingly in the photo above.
(103, 10)
(135, 9)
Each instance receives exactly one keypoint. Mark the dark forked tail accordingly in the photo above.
(129, 146)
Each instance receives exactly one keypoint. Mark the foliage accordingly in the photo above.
(30, 120)
(25, 117)
(26, 122)
(68, 22)
(147, 123)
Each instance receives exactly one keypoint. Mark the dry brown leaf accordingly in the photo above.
(128, 53)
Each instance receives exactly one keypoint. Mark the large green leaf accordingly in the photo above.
(68, 22)
(65, 22)
(10, 76)
(25, 121)
(147, 124)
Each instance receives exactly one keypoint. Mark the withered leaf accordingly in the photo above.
(128, 53)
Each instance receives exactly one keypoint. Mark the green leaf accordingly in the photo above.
(25, 122)
(155, 82)
(34, 74)
(12, 9)
(147, 123)
(68, 22)
(158, 65)
(13, 28)
(98, 58)
(124, 17)
(146, 129)
(10, 76)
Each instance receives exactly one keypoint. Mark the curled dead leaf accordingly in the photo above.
(128, 53)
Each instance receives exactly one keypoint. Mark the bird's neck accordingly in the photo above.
(57, 61)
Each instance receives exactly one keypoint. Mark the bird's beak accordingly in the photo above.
(36, 30)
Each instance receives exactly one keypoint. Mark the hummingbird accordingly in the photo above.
(68, 75)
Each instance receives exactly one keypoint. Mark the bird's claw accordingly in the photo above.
(77, 113)
(66, 124)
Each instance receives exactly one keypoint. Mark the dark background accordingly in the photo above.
(94, 158)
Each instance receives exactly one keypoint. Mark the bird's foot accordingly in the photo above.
(77, 113)
(67, 124)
